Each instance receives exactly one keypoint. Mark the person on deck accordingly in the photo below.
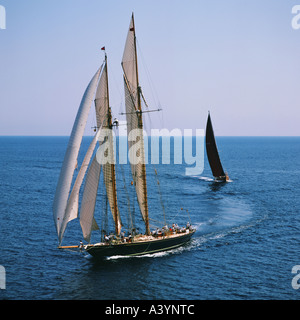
(106, 238)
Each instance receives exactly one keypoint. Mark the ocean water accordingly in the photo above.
(246, 244)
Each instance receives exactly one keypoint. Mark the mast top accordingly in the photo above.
(103, 49)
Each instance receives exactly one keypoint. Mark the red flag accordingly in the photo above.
(103, 48)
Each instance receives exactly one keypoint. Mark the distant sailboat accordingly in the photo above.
(66, 203)
(213, 154)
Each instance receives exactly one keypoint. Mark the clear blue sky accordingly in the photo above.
(238, 59)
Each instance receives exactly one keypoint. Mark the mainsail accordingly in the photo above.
(212, 151)
(70, 160)
(135, 122)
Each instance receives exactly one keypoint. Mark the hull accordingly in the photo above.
(137, 248)
(222, 178)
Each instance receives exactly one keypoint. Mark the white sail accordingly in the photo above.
(129, 62)
(89, 200)
(103, 115)
(135, 122)
(72, 206)
(70, 160)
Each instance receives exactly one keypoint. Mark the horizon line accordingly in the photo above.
(221, 136)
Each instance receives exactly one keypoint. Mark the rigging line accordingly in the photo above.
(176, 215)
(102, 222)
(188, 214)
(143, 111)
(154, 226)
(105, 220)
(116, 84)
(141, 93)
(118, 89)
(133, 194)
(157, 180)
(152, 87)
(153, 90)
(157, 222)
(130, 222)
(160, 194)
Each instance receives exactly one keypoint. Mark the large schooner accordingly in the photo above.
(66, 201)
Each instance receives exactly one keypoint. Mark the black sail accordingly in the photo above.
(212, 151)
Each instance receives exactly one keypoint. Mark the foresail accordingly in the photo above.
(72, 206)
(135, 122)
(70, 160)
(212, 151)
(89, 200)
(103, 115)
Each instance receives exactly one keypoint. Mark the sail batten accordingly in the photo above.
(70, 160)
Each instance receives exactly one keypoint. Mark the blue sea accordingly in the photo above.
(246, 244)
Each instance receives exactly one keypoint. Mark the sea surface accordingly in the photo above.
(246, 244)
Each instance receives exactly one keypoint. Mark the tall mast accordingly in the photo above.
(134, 118)
(140, 124)
(137, 71)
(103, 115)
(113, 170)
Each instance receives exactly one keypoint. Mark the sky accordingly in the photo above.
(240, 60)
